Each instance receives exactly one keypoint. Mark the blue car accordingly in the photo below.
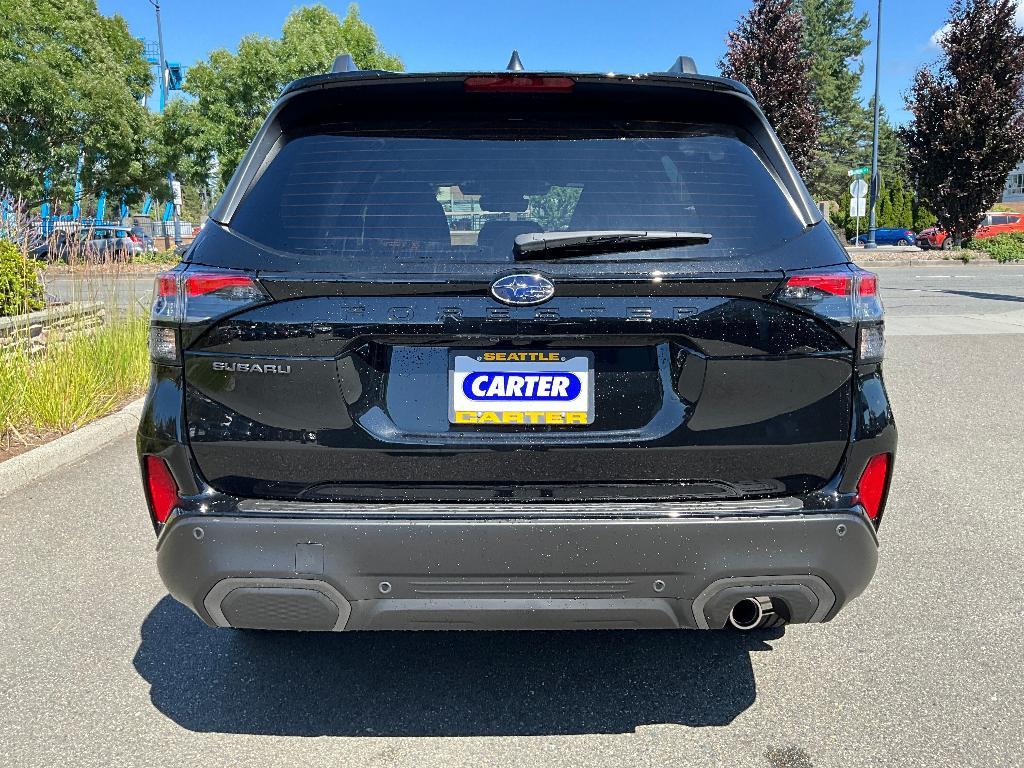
(888, 237)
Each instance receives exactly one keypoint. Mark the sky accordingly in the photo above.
(575, 35)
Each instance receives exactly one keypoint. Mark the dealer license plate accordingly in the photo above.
(511, 388)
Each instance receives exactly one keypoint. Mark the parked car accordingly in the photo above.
(52, 247)
(141, 236)
(888, 237)
(995, 223)
(656, 403)
(109, 241)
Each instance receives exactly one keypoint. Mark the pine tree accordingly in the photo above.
(765, 53)
(883, 213)
(833, 37)
(892, 152)
(967, 132)
(923, 218)
(905, 216)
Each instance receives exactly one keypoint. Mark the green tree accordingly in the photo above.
(968, 128)
(834, 41)
(233, 92)
(884, 213)
(71, 83)
(923, 218)
(892, 152)
(553, 210)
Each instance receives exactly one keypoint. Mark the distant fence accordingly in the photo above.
(161, 233)
(154, 229)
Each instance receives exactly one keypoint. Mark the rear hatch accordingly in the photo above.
(385, 338)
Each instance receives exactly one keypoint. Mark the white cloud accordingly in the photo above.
(936, 39)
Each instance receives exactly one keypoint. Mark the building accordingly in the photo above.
(1013, 192)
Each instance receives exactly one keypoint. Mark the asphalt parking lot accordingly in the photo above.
(99, 667)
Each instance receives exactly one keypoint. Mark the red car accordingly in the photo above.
(993, 224)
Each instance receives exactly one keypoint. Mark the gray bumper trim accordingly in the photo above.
(212, 601)
(511, 573)
(769, 586)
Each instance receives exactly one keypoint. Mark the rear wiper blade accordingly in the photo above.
(555, 245)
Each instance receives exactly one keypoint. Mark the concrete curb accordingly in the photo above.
(28, 467)
(950, 263)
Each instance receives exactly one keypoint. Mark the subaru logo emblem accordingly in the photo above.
(522, 289)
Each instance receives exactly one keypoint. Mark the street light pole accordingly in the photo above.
(163, 61)
(875, 181)
(163, 104)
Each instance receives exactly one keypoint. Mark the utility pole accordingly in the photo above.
(163, 60)
(875, 181)
(175, 193)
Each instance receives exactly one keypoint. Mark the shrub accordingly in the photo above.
(1002, 248)
(166, 258)
(21, 290)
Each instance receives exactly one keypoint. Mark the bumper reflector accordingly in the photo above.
(872, 485)
(161, 488)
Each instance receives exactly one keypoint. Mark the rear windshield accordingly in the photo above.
(381, 201)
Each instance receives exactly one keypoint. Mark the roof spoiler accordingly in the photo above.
(683, 65)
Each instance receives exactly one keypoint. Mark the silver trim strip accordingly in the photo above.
(495, 510)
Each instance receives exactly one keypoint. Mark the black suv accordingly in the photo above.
(516, 350)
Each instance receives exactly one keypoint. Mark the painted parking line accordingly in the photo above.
(956, 325)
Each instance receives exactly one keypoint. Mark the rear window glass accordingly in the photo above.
(381, 201)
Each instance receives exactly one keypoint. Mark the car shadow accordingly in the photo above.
(441, 683)
(984, 295)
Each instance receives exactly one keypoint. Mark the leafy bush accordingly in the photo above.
(166, 258)
(20, 287)
(1002, 248)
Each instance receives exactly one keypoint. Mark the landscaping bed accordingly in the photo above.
(71, 382)
(142, 263)
(61, 366)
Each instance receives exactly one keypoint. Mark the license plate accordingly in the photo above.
(511, 388)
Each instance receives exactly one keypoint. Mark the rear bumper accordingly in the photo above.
(433, 568)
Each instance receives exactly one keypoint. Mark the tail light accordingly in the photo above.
(193, 297)
(846, 295)
(161, 489)
(874, 481)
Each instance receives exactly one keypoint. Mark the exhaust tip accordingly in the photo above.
(750, 613)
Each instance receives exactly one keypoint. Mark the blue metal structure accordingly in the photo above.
(170, 77)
